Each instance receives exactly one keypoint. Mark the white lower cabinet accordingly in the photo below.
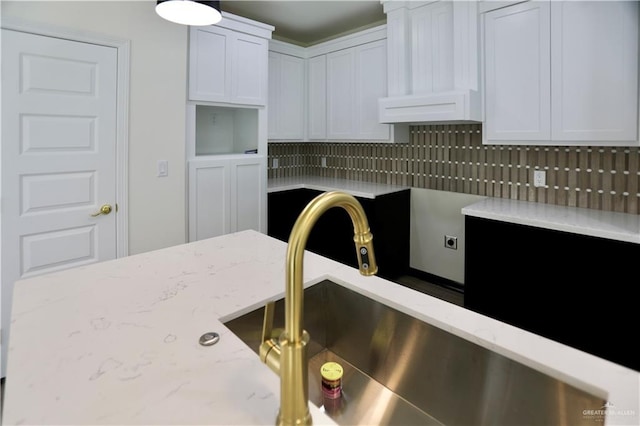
(227, 194)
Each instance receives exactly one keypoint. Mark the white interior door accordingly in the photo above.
(58, 158)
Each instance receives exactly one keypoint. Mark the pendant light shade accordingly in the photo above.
(190, 12)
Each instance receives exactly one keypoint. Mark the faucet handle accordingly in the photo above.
(269, 350)
(267, 324)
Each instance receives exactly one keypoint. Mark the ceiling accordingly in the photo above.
(308, 22)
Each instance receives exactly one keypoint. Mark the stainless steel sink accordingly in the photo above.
(400, 370)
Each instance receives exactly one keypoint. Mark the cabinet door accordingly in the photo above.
(286, 97)
(273, 95)
(432, 48)
(594, 64)
(517, 73)
(341, 105)
(371, 85)
(317, 97)
(248, 194)
(209, 199)
(249, 70)
(210, 64)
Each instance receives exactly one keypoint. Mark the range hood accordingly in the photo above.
(442, 107)
(432, 62)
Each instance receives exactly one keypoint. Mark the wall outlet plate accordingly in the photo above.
(323, 161)
(539, 178)
(274, 163)
(451, 242)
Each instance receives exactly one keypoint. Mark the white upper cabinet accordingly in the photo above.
(286, 97)
(517, 80)
(350, 75)
(371, 85)
(341, 95)
(562, 73)
(594, 70)
(317, 97)
(356, 79)
(228, 62)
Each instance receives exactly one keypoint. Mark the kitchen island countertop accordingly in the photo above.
(117, 342)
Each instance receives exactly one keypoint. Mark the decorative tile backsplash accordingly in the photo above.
(453, 158)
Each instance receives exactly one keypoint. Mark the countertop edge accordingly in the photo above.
(356, 188)
(595, 223)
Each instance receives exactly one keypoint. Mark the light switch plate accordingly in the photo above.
(163, 168)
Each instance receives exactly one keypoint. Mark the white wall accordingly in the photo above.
(435, 214)
(156, 110)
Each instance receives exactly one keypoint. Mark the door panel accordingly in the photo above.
(50, 251)
(518, 77)
(58, 157)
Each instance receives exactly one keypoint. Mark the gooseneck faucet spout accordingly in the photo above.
(288, 356)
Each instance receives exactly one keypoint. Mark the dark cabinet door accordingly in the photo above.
(332, 235)
(571, 288)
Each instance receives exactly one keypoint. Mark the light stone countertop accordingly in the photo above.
(353, 187)
(595, 223)
(117, 342)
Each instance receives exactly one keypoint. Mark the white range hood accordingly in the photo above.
(452, 106)
(432, 62)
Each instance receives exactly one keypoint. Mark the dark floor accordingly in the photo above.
(435, 290)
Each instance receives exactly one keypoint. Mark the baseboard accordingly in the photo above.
(435, 279)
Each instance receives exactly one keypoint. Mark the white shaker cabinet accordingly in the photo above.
(228, 65)
(317, 97)
(517, 79)
(594, 70)
(286, 97)
(226, 194)
(356, 79)
(562, 73)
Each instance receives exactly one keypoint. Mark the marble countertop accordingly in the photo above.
(117, 342)
(353, 187)
(595, 223)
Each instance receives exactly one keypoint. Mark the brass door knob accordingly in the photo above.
(105, 209)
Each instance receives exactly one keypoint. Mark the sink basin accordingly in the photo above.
(400, 370)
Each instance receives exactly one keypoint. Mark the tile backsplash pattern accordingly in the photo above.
(453, 158)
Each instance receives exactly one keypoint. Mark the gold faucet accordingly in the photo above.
(288, 355)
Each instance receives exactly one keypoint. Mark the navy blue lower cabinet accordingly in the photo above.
(575, 289)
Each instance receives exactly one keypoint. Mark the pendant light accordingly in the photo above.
(190, 12)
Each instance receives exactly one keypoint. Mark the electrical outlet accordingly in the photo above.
(274, 163)
(323, 161)
(539, 178)
(451, 242)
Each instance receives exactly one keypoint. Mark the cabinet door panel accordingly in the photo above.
(517, 72)
(432, 48)
(250, 69)
(209, 67)
(341, 118)
(248, 196)
(371, 84)
(317, 92)
(273, 95)
(209, 207)
(291, 108)
(595, 70)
